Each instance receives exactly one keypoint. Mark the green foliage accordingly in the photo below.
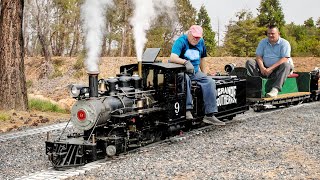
(243, 36)
(309, 23)
(44, 106)
(4, 116)
(270, 13)
(318, 23)
(65, 25)
(304, 39)
(203, 20)
(157, 38)
(161, 33)
(186, 14)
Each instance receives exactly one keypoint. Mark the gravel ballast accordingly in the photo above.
(282, 144)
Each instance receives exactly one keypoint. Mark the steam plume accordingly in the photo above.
(146, 11)
(94, 26)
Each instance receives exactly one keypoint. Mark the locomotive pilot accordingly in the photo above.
(273, 60)
(190, 50)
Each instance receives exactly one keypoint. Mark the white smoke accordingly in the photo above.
(94, 26)
(144, 13)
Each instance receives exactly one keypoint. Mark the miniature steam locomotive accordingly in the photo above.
(120, 113)
(130, 111)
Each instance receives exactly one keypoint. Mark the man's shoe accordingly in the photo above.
(272, 93)
(213, 120)
(189, 115)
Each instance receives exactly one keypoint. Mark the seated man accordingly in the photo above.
(189, 49)
(273, 60)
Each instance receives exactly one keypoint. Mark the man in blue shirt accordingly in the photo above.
(190, 50)
(273, 60)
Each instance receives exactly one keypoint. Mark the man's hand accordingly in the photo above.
(189, 67)
(266, 71)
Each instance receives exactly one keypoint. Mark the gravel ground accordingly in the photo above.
(283, 144)
(25, 155)
(22, 156)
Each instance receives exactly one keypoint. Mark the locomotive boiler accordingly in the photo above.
(120, 113)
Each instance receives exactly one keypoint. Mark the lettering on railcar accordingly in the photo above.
(226, 95)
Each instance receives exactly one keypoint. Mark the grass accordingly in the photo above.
(44, 106)
(79, 67)
(58, 62)
(4, 116)
(79, 63)
(56, 73)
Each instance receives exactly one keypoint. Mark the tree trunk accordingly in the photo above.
(75, 37)
(13, 91)
(104, 45)
(47, 67)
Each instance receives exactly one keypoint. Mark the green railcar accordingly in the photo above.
(295, 90)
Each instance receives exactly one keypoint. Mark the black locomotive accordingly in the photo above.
(129, 111)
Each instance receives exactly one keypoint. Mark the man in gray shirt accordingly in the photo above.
(273, 60)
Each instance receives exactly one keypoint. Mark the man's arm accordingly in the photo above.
(174, 58)
(278, 63)
(261, 65)
(267, 71)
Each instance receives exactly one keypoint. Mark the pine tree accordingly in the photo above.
(270, 13)
(203, 20)
(309, 23)
(186, 14)
(243, 35)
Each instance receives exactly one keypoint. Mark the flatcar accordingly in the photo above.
(120, 113)
(299, 87)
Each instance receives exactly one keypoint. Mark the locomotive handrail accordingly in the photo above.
(64, 129)
(95, 124)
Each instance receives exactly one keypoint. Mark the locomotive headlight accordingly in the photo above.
(77, 90)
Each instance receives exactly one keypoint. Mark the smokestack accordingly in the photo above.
(93, 84)
(140, 68)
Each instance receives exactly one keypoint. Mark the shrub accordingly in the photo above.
(78, 74)
(79, 65)
(4, 116)
(44, 106)
(56, 73)
(58, 62)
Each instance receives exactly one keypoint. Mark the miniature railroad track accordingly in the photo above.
(33, 131)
